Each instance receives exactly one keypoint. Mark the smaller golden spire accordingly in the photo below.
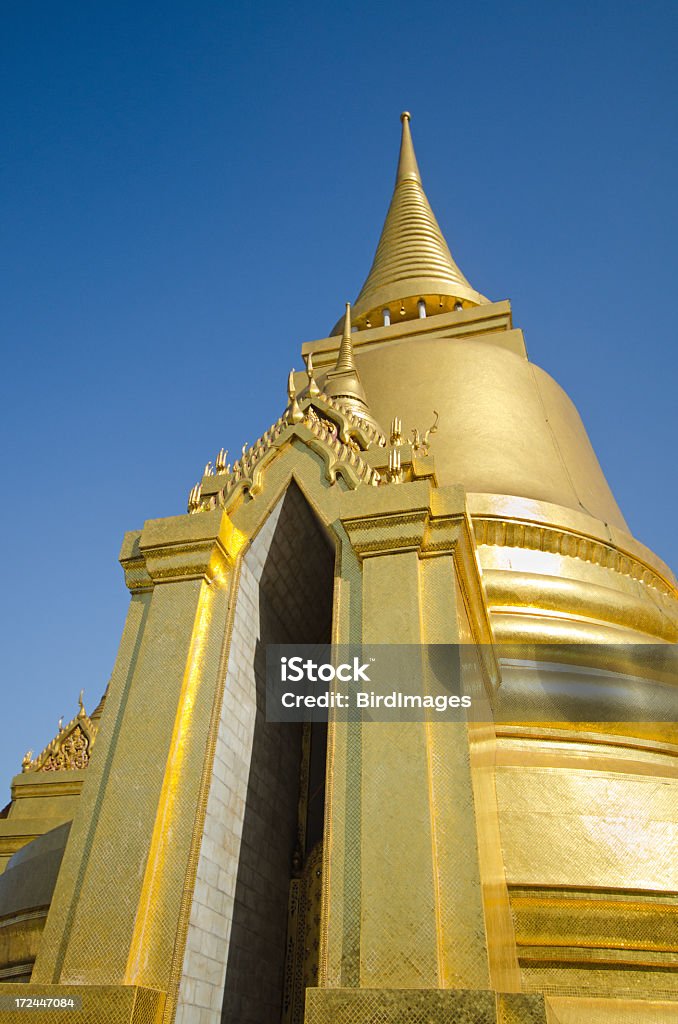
(343, 382)
(345, 361)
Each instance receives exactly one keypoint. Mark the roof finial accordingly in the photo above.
(313, 390)
(345, 361)
(294, 413)
(343, 382)
(407, 164)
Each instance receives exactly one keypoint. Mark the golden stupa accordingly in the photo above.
(177, 857)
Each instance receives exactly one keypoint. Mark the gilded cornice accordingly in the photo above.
(133, 563)
(180, 548)
(420, 517)
(492, 322)
(495, 531)
(27, 786)
(387, 532)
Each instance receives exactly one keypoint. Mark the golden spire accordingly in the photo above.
(343, 382)
(345, 363)
(413, 262)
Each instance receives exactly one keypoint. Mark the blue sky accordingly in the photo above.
(190, 191)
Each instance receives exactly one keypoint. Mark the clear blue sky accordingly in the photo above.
(191, 190)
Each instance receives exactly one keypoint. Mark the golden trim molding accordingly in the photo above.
(499, 532)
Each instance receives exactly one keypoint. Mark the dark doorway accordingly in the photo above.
(282, 816)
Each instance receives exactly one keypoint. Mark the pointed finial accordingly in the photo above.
(294, 413)
(395, 472)
(313, 389)
(345, 361)
(407, 164)
(194, 499)
(221, 460)
(81, 704)
(61, 723)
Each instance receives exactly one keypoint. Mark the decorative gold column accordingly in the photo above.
(119, 913)
(399, 940)
(405, 926)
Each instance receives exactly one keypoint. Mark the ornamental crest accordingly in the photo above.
(70, 749)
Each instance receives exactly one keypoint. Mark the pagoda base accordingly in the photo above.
(421, 1006)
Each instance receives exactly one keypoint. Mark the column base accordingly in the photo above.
(421, 1006)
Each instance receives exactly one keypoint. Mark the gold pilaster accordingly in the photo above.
(407, 853)
(121, 898)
